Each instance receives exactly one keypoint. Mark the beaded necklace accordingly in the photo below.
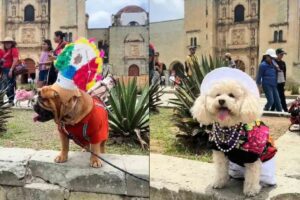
(226, 136)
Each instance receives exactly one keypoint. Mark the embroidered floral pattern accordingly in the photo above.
(257, 137)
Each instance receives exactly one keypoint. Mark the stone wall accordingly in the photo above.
(26, 174)
(168, 39)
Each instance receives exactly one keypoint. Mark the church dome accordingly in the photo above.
(130, 9)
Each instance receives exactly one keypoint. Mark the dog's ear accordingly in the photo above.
(48, 93)
(251, 109)
(200, 112)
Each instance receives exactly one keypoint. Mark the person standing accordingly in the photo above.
(10, 61)
(156, 71)
(44, 63)
(191, 60)
(229, 61)
(281, 78)
(267, 78)
(1, 60)
(58, 39)
(151, 63)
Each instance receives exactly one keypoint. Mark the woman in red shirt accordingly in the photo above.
(10, 61)
(59, 39)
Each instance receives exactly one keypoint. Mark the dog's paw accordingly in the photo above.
(252, 190)
(218, 185)
(95, 162)
(61, 158)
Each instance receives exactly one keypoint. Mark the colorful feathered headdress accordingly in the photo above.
(79, 65)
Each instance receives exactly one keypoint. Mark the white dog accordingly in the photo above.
(230, 100)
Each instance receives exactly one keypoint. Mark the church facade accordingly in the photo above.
(126, 41)
(244, 28)
(29, 22)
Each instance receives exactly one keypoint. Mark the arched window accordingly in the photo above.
(280, 36)
(239, 13)
(195, 41)
(224, 12)
(44, 10)
(29, 13)
(70, 37)
(252, 71)
(133, 23)
(13, 11)
(275, 37)
(191, 43)
(253, 9)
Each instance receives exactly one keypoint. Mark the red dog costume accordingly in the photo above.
(93, 128)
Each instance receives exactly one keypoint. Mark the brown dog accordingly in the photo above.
(76, 113)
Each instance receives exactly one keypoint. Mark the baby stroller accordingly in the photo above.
(295, 115)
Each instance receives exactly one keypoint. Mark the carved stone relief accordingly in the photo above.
(134, 50)
(238, 36)
(28, 35)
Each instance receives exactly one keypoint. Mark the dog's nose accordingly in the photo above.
(221, 102)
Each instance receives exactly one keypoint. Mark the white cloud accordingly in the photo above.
(102, 17)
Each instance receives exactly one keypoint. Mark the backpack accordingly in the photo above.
(295, 113)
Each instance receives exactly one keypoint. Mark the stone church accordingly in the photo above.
(126, 41)
(244, 28)
(29, 22)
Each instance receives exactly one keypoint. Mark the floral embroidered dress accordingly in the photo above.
(243, 143)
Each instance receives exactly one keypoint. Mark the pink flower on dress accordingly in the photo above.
(102, 53)
(257, 139)
(99, 78)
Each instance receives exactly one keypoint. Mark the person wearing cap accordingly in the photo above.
(281, 78)
(267, 79)
(229, 61)
(191, 60)
(10, 61)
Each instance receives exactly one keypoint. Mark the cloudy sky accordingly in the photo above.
(100, 11)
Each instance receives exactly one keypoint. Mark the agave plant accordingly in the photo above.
(191, 132)
(4, 110)
(129, 112)
(155, 92)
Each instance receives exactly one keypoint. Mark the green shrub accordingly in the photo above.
(129, 113)
(4, 109)
(191, 132)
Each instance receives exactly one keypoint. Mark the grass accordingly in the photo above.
(164, 141)
(24, 133)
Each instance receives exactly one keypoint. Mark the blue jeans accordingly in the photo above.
(272, 96)
(43, 75)
(10, 83)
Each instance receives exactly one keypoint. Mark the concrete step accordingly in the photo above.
(175, 178)
(19, 169)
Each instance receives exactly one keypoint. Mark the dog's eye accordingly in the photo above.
(231, 95)
(217, 95)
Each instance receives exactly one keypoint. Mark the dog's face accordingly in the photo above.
(45, 105)
(227, 103)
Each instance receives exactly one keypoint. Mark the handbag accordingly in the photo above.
(20, 69)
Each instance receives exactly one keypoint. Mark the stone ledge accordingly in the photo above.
(175, 178)
(26, 171)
